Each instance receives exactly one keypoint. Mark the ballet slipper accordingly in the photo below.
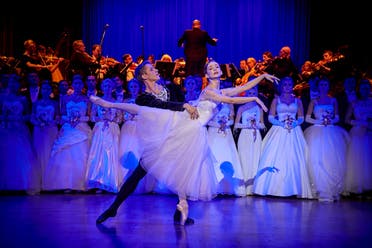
(99, 101)
(183, 207)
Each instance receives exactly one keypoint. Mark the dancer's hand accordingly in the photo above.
(269, 77)
(193, 111)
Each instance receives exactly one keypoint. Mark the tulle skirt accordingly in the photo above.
(176, 152)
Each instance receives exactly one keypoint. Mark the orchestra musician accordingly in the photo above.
(284, 66)
(324, 66)
(100, 71)
(265, 66)
(30, 61)
(252, 70)
(81, 62)
(51, 62)
(126, 68)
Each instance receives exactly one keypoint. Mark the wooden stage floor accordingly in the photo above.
(68, 220)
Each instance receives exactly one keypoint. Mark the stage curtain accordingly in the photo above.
(244, 28)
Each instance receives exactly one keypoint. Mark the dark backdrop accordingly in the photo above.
(245, 28)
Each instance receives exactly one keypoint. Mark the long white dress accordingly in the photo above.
(249, 146)
(19, 167)
(285, 151)
(176, 151)
(45, 131)
(359, 155)
(227, 165)
(104, 171)
(67, 165)
(327, 155)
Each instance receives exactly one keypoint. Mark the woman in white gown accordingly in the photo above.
(104, 171)
(221, 142)
(44, 118)
(249, 119)
(359, 156)
(327, 145)
(19, 168)
(175, 148)
(67, 165)
(282, 169)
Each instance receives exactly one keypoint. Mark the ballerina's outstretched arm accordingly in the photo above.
(233, 91)
(128, 107)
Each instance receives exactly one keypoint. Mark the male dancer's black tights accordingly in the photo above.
(129, 186)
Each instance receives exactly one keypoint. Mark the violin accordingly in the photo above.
(52, 59)
(111, 62)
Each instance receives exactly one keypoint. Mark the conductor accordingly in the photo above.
(194, 41)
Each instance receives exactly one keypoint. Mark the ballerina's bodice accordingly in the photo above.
(206, 109)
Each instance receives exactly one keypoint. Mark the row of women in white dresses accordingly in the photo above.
(319, 163)
(69, 157)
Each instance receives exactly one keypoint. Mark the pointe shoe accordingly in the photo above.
(99, 101)
(94, 99)
(107, 214)
(184, 209)
(177, 219)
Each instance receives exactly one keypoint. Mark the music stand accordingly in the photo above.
(234, 71)
(165, 69)
(225, 71)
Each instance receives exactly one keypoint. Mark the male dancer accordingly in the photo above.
(154, 96)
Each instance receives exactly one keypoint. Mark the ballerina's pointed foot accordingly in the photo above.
(99, 101)
(184, 209)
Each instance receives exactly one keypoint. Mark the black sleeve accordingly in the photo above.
(151, 101)
(181, 40)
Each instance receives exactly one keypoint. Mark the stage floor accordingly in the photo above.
(68, 220)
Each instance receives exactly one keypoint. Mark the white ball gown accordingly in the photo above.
(327, 155)
(359, 156)
(249, 146)
(45, 131)
(67, 165)
(221, 142)
(282, 169)
(19, 167)
(104, 171)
